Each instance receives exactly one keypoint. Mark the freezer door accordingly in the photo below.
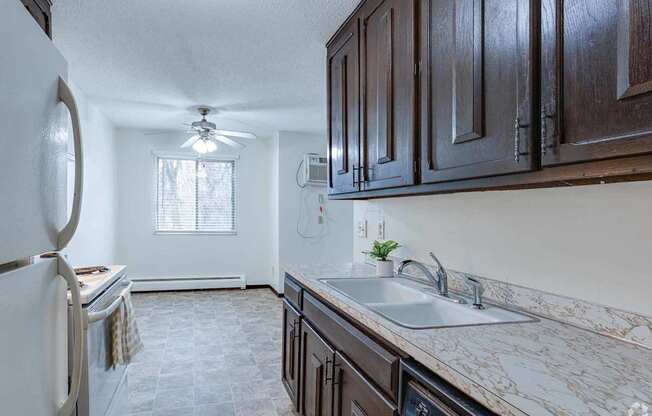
(34, 131)
(33, 345)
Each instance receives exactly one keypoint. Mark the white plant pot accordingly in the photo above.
(384, 268)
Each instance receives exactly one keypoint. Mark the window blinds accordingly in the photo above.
(196, 196)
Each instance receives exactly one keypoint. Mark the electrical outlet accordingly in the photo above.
(381, 229)
(362, 229)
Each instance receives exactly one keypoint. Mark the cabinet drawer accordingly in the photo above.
(379, 364)
(355, 396)
(293, 292)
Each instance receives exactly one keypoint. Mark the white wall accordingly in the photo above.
(592, 242)
(150, 255)
(335, 244)
(94, 241)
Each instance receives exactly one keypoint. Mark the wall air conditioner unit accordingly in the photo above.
(315, 169)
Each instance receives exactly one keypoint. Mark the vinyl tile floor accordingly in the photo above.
(208, 353)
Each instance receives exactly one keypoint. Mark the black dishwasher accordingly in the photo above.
(425, 394)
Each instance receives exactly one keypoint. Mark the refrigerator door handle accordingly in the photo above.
(66, 271)
(66, 96)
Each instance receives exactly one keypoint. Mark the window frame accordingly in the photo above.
(194, 157)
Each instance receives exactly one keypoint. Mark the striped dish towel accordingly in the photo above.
(126, 340)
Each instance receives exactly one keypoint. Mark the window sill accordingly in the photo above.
(224, 233)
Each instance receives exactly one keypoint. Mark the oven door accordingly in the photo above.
(102, 381)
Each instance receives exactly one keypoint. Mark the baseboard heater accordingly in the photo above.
(159, 284)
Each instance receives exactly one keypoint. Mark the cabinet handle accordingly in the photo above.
(291, 357)
(353, 173)
(360, 180)
(296, 332)
(330, 379)
(517, 140)
(545, 115)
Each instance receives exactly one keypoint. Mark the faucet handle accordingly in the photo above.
(477, 289)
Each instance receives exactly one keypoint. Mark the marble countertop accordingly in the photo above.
(538, 368)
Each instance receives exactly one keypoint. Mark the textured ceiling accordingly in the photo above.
(146, 63)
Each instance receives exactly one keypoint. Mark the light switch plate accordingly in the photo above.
(381, 229)
(362, 229)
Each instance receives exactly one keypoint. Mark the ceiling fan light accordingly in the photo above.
(211, 146)
(200, 147)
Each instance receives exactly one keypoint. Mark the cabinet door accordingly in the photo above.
(476, 82)
(41, 12)
(316, 374)
(388, 93)
(596, 79)
(344, 110)
(291, 353)
(355, 395)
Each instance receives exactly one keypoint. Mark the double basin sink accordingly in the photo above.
(411, 305)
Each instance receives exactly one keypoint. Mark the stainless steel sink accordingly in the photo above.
(378, 290)
(411, 305)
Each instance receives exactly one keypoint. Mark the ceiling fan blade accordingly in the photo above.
(190, 141)
(229, 142)
(238, 134)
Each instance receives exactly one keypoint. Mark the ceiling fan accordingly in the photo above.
(206, 135)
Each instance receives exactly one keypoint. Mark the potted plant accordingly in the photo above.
(380, 251)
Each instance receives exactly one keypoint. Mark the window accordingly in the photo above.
(196, 196)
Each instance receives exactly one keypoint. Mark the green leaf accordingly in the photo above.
(381, 250)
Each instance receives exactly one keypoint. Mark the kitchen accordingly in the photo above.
(376, 207)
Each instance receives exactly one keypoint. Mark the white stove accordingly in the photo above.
(95, 284)
(103, 390)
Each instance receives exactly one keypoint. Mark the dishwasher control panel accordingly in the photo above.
(423, 393)
(418, 402)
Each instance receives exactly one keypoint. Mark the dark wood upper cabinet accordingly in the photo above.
(41, 12)
(355, 395)
(476, 85)
(316, 374)
(344, 110)
(466, 95)
(387, 66)
(596, 79)
(291, 352)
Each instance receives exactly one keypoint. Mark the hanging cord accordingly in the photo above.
(303, 202)
(296, 176)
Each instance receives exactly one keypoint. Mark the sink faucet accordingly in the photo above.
(442, 276)
(440, 281)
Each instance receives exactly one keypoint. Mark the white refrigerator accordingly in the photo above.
(36, 110)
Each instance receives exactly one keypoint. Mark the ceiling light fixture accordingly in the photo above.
(200, 146)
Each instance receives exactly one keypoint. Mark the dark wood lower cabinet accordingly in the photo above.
(291, 352)
(331, 368)
(316, 374)
(355, 395)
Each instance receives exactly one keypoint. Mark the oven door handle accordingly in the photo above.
(108, 311)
